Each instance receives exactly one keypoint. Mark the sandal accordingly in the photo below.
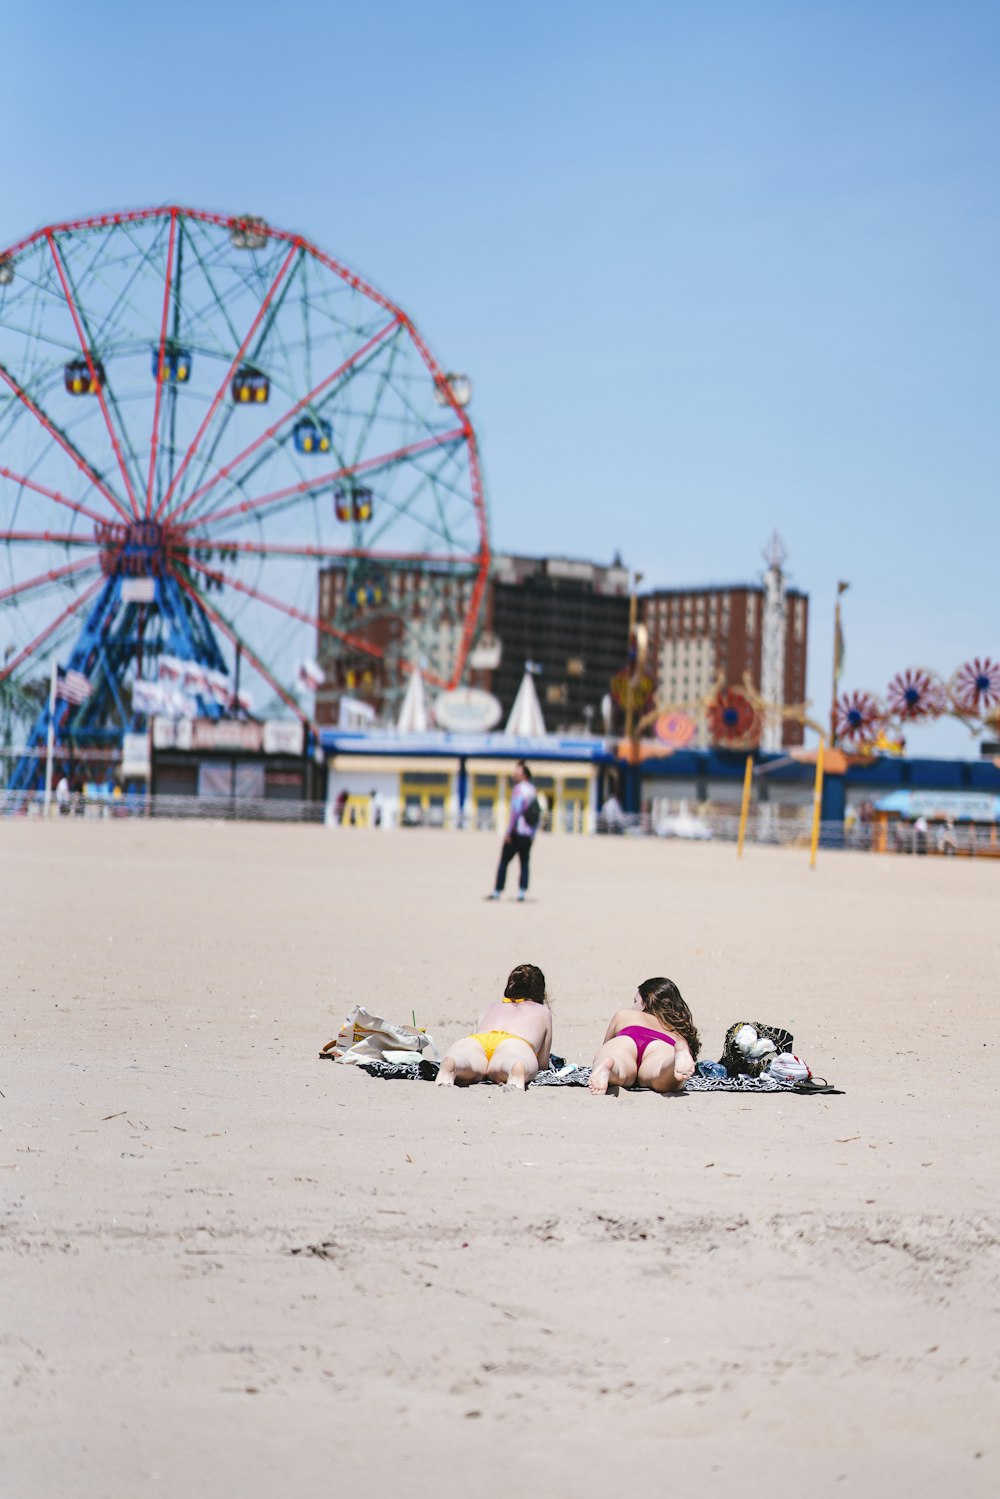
(815, 1085)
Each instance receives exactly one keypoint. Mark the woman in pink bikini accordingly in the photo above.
(655, 1048)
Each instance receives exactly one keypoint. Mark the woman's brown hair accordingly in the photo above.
(526, 982)
(662, 998)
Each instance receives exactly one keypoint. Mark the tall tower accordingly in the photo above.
(772, 663)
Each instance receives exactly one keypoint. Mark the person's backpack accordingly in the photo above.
(532, 813)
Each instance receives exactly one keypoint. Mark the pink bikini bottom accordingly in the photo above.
(643, 1037)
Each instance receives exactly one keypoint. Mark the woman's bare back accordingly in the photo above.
(524, 1018)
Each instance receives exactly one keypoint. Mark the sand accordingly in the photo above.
(231, 1268)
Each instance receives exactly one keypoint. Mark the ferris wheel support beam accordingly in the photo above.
(472, 619)
(242, 646)
(479, 591)
(366, 466)
(53, 494)
(52, 576)
(50, 629)
(67, 448)
(292, 411)
(98, 384)
(241, 351)
(167, 287)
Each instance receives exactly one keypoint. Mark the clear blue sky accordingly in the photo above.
(713, 267)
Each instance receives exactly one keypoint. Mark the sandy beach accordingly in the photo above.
(231, 1268)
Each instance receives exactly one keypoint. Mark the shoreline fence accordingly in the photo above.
(763, 828)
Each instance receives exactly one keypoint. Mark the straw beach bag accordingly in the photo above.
(365, 1037)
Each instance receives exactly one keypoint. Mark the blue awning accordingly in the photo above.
(963, 806)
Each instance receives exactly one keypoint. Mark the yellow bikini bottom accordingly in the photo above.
(490, 1040)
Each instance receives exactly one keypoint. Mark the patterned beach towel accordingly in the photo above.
(570, 1075)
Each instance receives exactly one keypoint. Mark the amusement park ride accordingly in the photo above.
(737, 718)
(193, 406)
(865, 723)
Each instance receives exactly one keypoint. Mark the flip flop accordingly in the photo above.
(814, 1085)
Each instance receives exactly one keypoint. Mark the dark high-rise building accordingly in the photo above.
(569, 618)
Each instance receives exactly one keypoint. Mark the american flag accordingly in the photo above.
(310, 676)
(73, 687)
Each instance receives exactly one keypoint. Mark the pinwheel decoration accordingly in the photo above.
(975, 688)
(733, 720)
(675, 729)
(859, 719)
(916, 693)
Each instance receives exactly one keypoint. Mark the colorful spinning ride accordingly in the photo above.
(195, 412)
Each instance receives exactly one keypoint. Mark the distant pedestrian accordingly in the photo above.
(525, 815)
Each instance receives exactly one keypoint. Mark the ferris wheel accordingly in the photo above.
(201, 418)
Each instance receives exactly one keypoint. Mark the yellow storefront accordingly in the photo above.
(468, 790)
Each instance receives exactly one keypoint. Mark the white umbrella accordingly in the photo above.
(413, 717)
(526, 721)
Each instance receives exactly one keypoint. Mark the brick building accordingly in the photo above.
(698, 634)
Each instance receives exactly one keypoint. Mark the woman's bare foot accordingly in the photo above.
(446, 1073)
(515, 1078)
(603, 1079)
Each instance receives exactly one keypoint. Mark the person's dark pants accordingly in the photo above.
(522, 848)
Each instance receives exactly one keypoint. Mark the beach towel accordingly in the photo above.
(561, 1074)
(574, 1075)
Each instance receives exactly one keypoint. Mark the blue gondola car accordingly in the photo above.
(311, 436)
(78, 379)
(353, 503)
(249, 385)
(176, 367)
(366, 591)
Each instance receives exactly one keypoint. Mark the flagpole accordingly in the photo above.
(838, 662)
(51, 738)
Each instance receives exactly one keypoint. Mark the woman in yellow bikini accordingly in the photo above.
(513, 1040)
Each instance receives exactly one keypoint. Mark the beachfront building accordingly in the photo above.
(868, 802)
(458, 780)
(698, 634)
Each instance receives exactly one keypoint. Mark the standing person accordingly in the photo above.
(525, 815)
